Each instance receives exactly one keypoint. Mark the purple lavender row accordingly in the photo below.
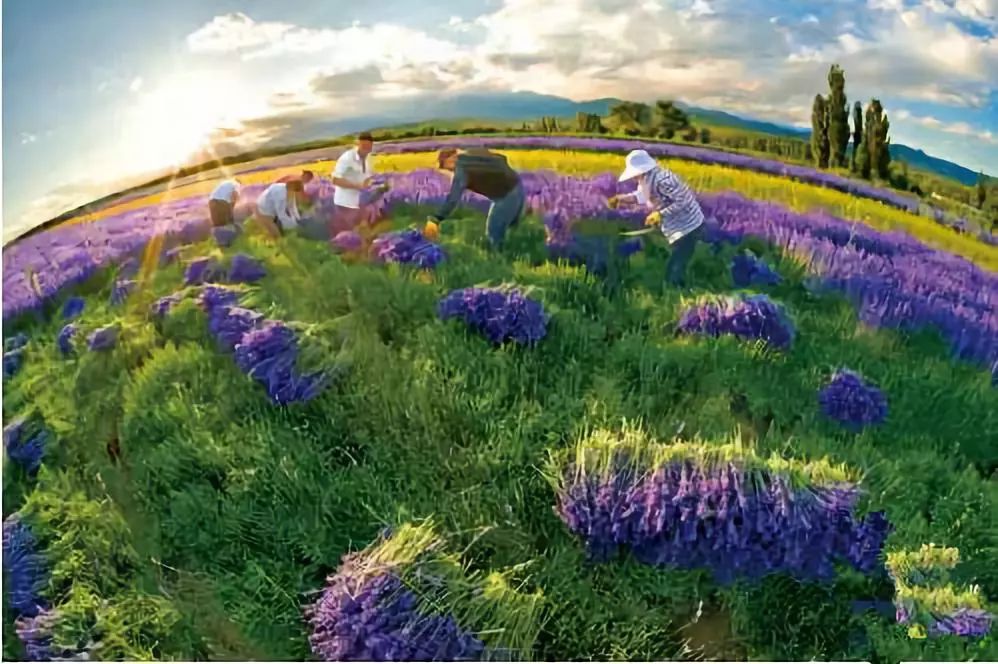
(265, 350)
(499, 314)
(733, 522)
(367, 614)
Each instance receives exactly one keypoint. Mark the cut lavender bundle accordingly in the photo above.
(347, 241)
(73, 307)
(225, 235)
(122, 289)
(212, 297)
(12, 362)
(714, 507)
(229, 324)
(25, 571)
(246, 269)
(104, 338)
(750, 317)
(852, 401)
(407, 247)
(747, 270)
(65, 338)
(269, 354)
(203, 270)
(927, 600)
(499, 314)
(403, 599)
(162, 306)
(25, 444)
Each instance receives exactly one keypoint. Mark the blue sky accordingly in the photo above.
(99, 93)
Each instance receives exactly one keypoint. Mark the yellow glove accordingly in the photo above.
(654, 219)
(431, 231)
(612, 202)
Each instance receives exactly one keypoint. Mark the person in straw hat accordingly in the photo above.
(675, 209)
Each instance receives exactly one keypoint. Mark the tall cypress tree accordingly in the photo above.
(838, 116)
(878, 139)
(857, 133)
(819, 131)
(982, 191)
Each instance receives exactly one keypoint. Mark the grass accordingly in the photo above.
(223, 514)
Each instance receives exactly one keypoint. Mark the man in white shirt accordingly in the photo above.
(222, 202)
(277, 206)
(351, 176)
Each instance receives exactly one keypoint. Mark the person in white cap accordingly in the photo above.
(277, 206)
(222, 202)
(674, 209)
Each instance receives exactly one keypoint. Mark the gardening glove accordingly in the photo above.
(613, 202)
(431, 231)
(654, 219)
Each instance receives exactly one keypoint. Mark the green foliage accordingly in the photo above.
(589, 123)
(219, 514)
(878, 140)
(668, 119)
(630, 118)
(838, 117)
(858, 151)
(820, 144)
(704, 135)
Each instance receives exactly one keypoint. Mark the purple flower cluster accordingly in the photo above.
(744, 316)
(852, 401)
(737, 523)
(269, 354)
(225, 235)
(64, 340)
(122, 289)
(73, 307)
(499, 314)
(162, 306)
(367, 614)
(25, 444)
(25, 570)
(104, 338)
(349, 241)
(747, 270)
(203, 270)
(265, 350)
(245, 269)
(407, 247)
(13, 354)
(966, 622)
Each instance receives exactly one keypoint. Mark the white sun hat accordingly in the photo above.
(638, 163)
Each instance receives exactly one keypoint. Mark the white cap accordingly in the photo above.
(638, 163)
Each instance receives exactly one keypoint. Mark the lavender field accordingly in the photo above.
(387, 446)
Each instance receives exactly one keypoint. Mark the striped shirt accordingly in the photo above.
(674, 200)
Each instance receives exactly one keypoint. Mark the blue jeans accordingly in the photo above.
(679, 258)
(505, 212)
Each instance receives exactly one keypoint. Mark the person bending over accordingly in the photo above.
(675, 209)
(222, 202)
(277, 207)
(490, 175)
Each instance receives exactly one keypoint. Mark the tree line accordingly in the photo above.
(831, 132)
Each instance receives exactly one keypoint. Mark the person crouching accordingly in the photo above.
(277, 207)
(675, 209)
(222, 203)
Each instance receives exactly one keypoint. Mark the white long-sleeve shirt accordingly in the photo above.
(275, 202)
(662, 190)
(226, 191)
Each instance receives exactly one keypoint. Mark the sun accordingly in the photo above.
(175, 118)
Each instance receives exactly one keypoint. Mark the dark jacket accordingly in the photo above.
(482, 172)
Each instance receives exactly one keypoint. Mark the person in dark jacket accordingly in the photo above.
(488, 174)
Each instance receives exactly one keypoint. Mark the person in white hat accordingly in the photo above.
(674, 209)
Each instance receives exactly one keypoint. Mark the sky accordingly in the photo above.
(102, 94)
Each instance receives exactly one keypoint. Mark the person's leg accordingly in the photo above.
(217, 213)
(504, 213)
(679, 258)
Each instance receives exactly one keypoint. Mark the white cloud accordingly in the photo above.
(812, 19)
(957, 128)
(136, 84)
(27, 138)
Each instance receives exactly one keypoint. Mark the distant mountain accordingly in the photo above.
(520, 106)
